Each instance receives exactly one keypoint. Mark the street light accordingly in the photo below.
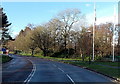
(94, 25)
(89, 42)
(113, 59)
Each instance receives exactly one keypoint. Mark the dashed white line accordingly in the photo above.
(31, 74)
(61, 70)
(65, 74)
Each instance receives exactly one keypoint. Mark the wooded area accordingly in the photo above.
(63, 37)
(59, 38)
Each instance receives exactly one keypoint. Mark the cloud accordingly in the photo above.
(87, 5)
(14, 34)
(89, 18)
(107, 19)
(104, 19)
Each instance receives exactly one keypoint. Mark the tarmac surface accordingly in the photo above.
(36, 70)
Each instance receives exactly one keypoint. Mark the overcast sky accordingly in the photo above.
(20, 14)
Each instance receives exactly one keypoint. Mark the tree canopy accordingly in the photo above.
(59, 38)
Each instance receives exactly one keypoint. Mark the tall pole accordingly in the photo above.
(94, 23)
(113, 59)
(1, 24)
(0, 40)
(0, 3)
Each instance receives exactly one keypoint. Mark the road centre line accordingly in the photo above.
(65, 74)
(70, 78)
(61, 69)
(31, 74)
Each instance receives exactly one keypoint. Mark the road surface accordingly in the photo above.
(36, 70)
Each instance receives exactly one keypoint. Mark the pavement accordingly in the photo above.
(36, 70)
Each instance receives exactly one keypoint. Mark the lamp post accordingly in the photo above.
(94, 25)
(113, 59)
(89, 44)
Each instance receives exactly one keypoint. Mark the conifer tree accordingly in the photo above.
(4, 27)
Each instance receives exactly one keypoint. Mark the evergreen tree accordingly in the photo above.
(4, 24)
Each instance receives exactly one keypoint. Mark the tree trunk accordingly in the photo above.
(44, 52)
(65, 43)
(82, 57)
(75, 48)
(32, 53)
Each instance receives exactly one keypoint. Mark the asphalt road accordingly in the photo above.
(36, 70)
(17, 70)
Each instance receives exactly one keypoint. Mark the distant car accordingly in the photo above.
(7, 52)
(4, 51)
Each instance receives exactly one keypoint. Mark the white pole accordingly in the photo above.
(94, 23)
(0, 3)
(113, 59)
(1, 24)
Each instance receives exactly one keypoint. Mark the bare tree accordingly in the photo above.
(55, 29)
(68, 17)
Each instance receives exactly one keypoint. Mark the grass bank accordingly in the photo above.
(5, 58)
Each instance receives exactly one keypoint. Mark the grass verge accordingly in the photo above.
(5, 58)
(51, 58)
(109, 71)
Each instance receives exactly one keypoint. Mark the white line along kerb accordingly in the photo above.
(31, 74)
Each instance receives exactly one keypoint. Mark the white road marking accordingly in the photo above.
(31, 74)
(70, 78)
(66, 74)
(61, 70)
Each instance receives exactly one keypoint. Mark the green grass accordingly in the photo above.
(55, 58)
(102, 69)
(0, 52)
(5, 58)
(114, 64)
(47, 57)
(11, 52)
(26, 54)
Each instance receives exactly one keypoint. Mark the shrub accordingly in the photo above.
(65, 53)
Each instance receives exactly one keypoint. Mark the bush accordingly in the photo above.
(65, 53)
(17, 51)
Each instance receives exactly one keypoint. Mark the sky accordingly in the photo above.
(20, 14)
